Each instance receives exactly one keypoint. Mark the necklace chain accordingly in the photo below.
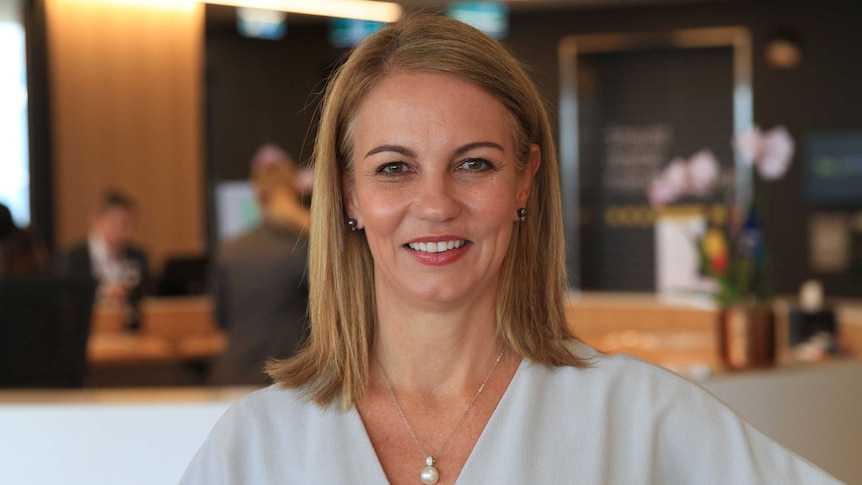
(433, 458)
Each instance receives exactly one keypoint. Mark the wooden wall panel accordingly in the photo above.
(126, 106)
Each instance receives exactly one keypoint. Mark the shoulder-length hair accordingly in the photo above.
(530, 314)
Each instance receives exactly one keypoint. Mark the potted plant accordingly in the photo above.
(732, 251)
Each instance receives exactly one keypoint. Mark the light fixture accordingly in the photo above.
(352, 9)
(261, 24)
(783, 50)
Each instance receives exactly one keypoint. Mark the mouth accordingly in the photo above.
(436, 247)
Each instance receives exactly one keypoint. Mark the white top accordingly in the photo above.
(106, 267)
(621, 421)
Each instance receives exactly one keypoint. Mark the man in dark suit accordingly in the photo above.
(107, 255)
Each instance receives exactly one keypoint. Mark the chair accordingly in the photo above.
(184, 276)
(44, 327)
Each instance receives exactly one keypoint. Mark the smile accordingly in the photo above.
(436, 247)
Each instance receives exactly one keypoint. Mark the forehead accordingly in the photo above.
(425, 104)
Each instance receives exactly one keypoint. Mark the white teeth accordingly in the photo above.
(437, 247)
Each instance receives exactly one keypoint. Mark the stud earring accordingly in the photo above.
(522, 214)
(351, 223)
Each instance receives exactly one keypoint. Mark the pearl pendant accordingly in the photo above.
(429, 475)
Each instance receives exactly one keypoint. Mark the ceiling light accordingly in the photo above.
(352, 9)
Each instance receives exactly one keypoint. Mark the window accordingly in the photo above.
(14, 153)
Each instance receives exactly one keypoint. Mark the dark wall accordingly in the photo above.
(260, 91)
(821, 94)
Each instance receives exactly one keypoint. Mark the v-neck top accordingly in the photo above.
(620, 421)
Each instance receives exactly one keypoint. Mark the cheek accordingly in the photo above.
(496, 206)
(379, 210)
(499, 220)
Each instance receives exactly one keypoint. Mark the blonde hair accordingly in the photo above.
(333, 365)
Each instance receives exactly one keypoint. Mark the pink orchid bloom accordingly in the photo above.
(703, 172)
(748, 145)
(675, 176)
(660, 194)
(778, 148)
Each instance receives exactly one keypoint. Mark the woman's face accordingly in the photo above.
(435, 186)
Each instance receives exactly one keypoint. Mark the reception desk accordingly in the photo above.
(172, 330)
(174, 346)
(681, 333)
(674, 333)
(677, 333)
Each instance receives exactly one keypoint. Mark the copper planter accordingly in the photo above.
(746, 337)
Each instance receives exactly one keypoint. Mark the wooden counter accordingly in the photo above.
(173, 330)
(677, 333)
(664, 331)
(680, 333)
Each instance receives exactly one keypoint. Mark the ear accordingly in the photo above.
(525, 179)
(351, 203)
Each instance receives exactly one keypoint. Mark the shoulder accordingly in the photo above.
(691, 435)
(258, 411)
(241, 242)
(256, 422)
(617, 378)
(268, 422)
(272, 416)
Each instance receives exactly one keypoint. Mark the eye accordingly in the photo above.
(393, 168)
(476, 165)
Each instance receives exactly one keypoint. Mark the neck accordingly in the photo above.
(436, 353)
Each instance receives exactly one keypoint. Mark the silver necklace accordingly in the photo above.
(429, 474)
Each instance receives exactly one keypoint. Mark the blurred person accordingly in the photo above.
(20, 254)
(108, 255)
(7, 224)
(259, 280)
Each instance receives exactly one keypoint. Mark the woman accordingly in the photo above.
(439, 350)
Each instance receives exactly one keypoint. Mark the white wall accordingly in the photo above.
(815, 411)
(105, 437)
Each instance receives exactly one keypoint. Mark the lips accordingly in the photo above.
(436, 246)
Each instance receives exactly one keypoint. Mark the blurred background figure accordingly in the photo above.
(7, 225)
(260, 289)
(44, 320)
(108, 255)
(19, 252)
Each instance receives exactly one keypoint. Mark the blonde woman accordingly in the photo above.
(439, 350)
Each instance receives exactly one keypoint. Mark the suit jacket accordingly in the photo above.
(75, 262)
(260, 294)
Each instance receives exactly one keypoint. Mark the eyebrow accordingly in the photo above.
(409, 153)
(391, 148)
(479, 144)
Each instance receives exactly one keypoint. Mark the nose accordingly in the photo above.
(435, 198)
